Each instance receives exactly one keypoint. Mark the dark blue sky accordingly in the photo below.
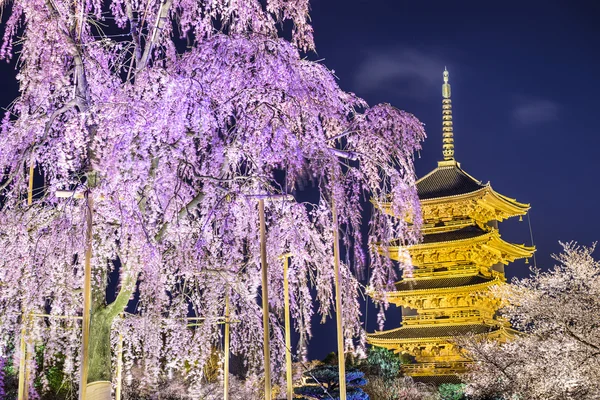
(525, 88)
(525, 82)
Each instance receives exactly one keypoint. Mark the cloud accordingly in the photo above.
(535, 111)
(408, 71)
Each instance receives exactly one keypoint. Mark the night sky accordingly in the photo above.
(525, 82)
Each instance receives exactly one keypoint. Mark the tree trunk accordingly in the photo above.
(99, 372)
(99, 363)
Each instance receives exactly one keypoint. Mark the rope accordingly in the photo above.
(367, 298)
(531, 235)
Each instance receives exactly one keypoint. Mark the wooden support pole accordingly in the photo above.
(338, 305)
(23, 393)
(288, 339)
(87, 298)
(265, 299)
(23, 389)
(30, 188)
(226, 364)
(118, 389)
(28, 355)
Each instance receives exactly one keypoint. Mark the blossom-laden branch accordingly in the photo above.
(557, 355)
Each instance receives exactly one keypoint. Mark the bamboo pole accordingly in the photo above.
(226, 365)
(28, 354)
(265, 299)
(56, 316)
(87, 299)
(23, 393)
(288, 339)
(30, 187)
(338, 306)
(119, 367)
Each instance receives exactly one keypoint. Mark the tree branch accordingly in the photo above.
(161, 19)
(184, 210)
(81, 88)
(580, 340)
(135, 33)
(127, 287)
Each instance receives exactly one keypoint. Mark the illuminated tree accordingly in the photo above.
(559, 355)
(169, 116)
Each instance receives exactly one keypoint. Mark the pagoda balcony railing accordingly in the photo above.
(440, 368)
(418, 317)
(466, 314)
(468, 267)
(455, 317)
(450, 270)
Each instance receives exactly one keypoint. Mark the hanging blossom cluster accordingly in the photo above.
(172, 146)
(558, 356)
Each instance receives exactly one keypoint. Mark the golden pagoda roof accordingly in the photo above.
(448, 192)
(412, 285)
(448, 179)
(412, 332)
(471, 235)
(425, 287)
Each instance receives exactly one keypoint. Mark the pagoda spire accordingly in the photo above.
(447, 130)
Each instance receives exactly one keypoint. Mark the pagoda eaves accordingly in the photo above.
(460, 196)
(449, 248)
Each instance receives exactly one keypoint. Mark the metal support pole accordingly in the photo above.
(87, 299)
(338, 305)
(265, 298)
(288, 339)
(226, 364)
(119, 367)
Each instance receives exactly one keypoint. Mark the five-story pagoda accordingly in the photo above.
(461, 256)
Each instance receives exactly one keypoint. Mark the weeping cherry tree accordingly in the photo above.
(163, 119)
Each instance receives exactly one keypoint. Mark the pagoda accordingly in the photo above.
(446, 294)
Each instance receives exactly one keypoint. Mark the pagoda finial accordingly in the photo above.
(447, 132)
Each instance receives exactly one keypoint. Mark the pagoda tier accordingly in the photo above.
(433, 347)
(462, 255)
(466, 250)
(445, 300)
(449, 195)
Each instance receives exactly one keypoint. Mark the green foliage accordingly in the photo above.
(58, 385)
(331, 359)
(384, 363)
(323, 383)
(400, 388)
(48, 380)
(452, 391)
